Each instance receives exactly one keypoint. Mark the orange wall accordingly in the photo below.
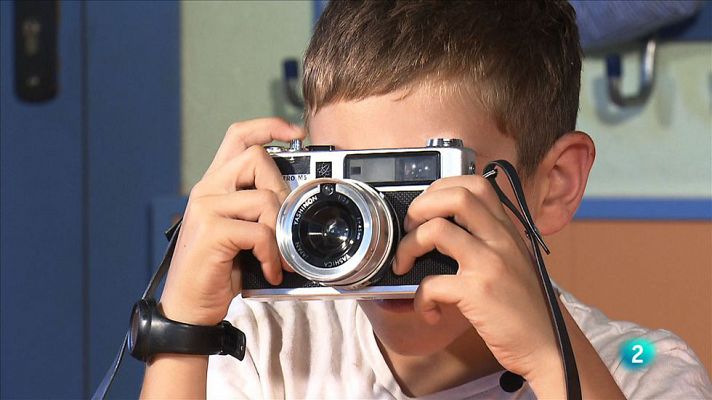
(656, 274)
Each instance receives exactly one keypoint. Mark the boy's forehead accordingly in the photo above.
(407, 119)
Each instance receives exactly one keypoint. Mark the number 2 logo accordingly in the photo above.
(637, 353)
(635, 359)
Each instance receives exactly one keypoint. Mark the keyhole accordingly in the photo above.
(31, 28)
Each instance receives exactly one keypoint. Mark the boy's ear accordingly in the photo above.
(561, 180)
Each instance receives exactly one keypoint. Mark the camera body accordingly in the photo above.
(341, 224)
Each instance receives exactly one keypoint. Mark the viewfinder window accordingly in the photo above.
(393, 168)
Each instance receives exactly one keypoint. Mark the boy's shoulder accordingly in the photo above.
(674, 372)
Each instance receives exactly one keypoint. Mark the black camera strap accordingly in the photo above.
(571, 377)
(172, 235)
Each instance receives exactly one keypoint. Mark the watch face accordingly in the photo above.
(133, 331)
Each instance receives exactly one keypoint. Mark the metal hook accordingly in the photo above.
(291, 82)
(614, 71)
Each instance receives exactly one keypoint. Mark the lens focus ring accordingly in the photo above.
(336, 232)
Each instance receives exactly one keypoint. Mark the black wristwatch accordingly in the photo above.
(151, 333)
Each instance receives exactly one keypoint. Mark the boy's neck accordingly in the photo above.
(464, 360)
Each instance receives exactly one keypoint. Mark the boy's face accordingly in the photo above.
(408, 119)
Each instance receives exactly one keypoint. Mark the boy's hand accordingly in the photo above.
(233, 208)
(496, 287)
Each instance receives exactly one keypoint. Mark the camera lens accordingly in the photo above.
(337, 232)
(327, 230)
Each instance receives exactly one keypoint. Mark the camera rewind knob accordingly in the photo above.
(295, 145)
(443, 142)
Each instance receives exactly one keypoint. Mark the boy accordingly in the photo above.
(504, 78)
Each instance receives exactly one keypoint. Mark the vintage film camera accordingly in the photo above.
(340, 225)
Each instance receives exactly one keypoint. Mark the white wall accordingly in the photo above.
(231, 57)
(663, 148)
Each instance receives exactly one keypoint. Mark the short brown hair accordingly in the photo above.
(522, 58)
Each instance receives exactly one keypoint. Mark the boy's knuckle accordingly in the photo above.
(263, 234)
(479, 186)
(426, 284)
(461, 197)
(197, 190)
(268, 197)
(234, 134)
(197, 207)
(435, 185)
(497, 268)
(233, 129)
(200, 224)
(437, 226)
(253, 151)
(257, 153)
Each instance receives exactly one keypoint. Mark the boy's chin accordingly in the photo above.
(402, 330)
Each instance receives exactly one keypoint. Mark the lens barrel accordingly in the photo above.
(337, 232)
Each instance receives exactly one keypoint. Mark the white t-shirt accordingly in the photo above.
(327, 349)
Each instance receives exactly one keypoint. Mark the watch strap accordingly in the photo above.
(160, 335)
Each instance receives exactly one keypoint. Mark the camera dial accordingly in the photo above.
(295, 145)
(274, 149)
(445, 142)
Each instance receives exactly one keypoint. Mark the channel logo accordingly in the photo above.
(637, 353)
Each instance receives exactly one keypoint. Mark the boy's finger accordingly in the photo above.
(242, 135)
(253, 168)
(285, 264)
(478, 186)
(244, 235)
(247, 205)
(435, 290)
(259, 206)
(436, 234)
(458, 203)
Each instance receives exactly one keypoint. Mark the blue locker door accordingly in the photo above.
(133, 91)
(79, 175)
(42, 219)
